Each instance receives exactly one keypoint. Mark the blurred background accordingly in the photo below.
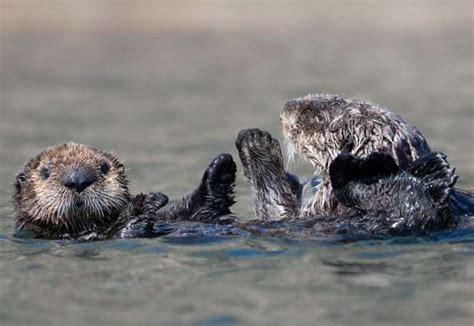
(167, 85)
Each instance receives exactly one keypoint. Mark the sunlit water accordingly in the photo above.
(167, 87)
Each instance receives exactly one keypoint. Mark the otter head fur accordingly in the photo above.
(316, 126)
(69, 189)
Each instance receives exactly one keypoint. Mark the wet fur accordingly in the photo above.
(375, 195)
(272, 190)
(47, 209)
(416, 200)
(317, 125)
(392, 166)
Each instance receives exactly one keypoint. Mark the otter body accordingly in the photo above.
(375, 175)
(76, 191)
(415, 194)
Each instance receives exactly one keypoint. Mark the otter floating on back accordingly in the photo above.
(75, 191)
(318, 127)
(376, 176)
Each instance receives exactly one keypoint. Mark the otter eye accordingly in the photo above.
(104, 168)
(45, 173)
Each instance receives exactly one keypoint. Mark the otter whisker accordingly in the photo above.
(290, 151)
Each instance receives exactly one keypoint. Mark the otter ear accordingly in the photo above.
(20, 180)
(120, 167)
(21, 177)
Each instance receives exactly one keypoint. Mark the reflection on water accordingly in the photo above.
(167, 85)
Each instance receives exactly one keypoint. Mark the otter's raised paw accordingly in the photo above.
(217, 189)
(219, 177)
(257, 150)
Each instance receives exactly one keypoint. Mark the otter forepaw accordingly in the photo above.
(217, 189)
(147, 204)
(153, 201)
(258, 149)
(347, 167)
(219, 177)
(275, 196)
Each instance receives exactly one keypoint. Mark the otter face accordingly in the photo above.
(312, 128)
(70, 188)
(316, 126)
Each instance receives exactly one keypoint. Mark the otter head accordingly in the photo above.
(69, 188)
(317, 126)
(312, 128)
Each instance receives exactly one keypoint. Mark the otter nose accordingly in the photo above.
(79, 180)
(291, 105)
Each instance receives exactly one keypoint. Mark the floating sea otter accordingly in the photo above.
(76, 191)
(369, 162)
(376, 176)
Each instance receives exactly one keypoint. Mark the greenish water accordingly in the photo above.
(167, 86)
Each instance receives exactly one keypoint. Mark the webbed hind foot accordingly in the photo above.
(274, 195)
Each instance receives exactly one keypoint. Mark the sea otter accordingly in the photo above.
(319, 128)
(75, 191)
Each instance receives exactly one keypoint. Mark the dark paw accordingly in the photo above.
(258, 148)
(347, 167)
(216, 193)
(148, 204)
(143, 209)
(380, 165)
(437, 175)
(220, 175)
(429, 164)
(344, 169)
(153, 201)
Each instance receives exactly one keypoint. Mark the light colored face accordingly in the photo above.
(311, 127)
(72, 183)
(317, 126)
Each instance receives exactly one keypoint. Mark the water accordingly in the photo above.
(167, 86)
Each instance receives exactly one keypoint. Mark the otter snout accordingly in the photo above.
(79, 180)
(290, 111)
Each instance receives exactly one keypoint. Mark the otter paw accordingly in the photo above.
(257, 150)
(215, 195)
(153, 201)
(347, 167)
(219, 177)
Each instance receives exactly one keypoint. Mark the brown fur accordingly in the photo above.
(76, 191)
(317, 126)
(48, 209)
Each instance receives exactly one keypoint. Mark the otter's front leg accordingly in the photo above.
(213, 197)
(275, 193)
(136, 220)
